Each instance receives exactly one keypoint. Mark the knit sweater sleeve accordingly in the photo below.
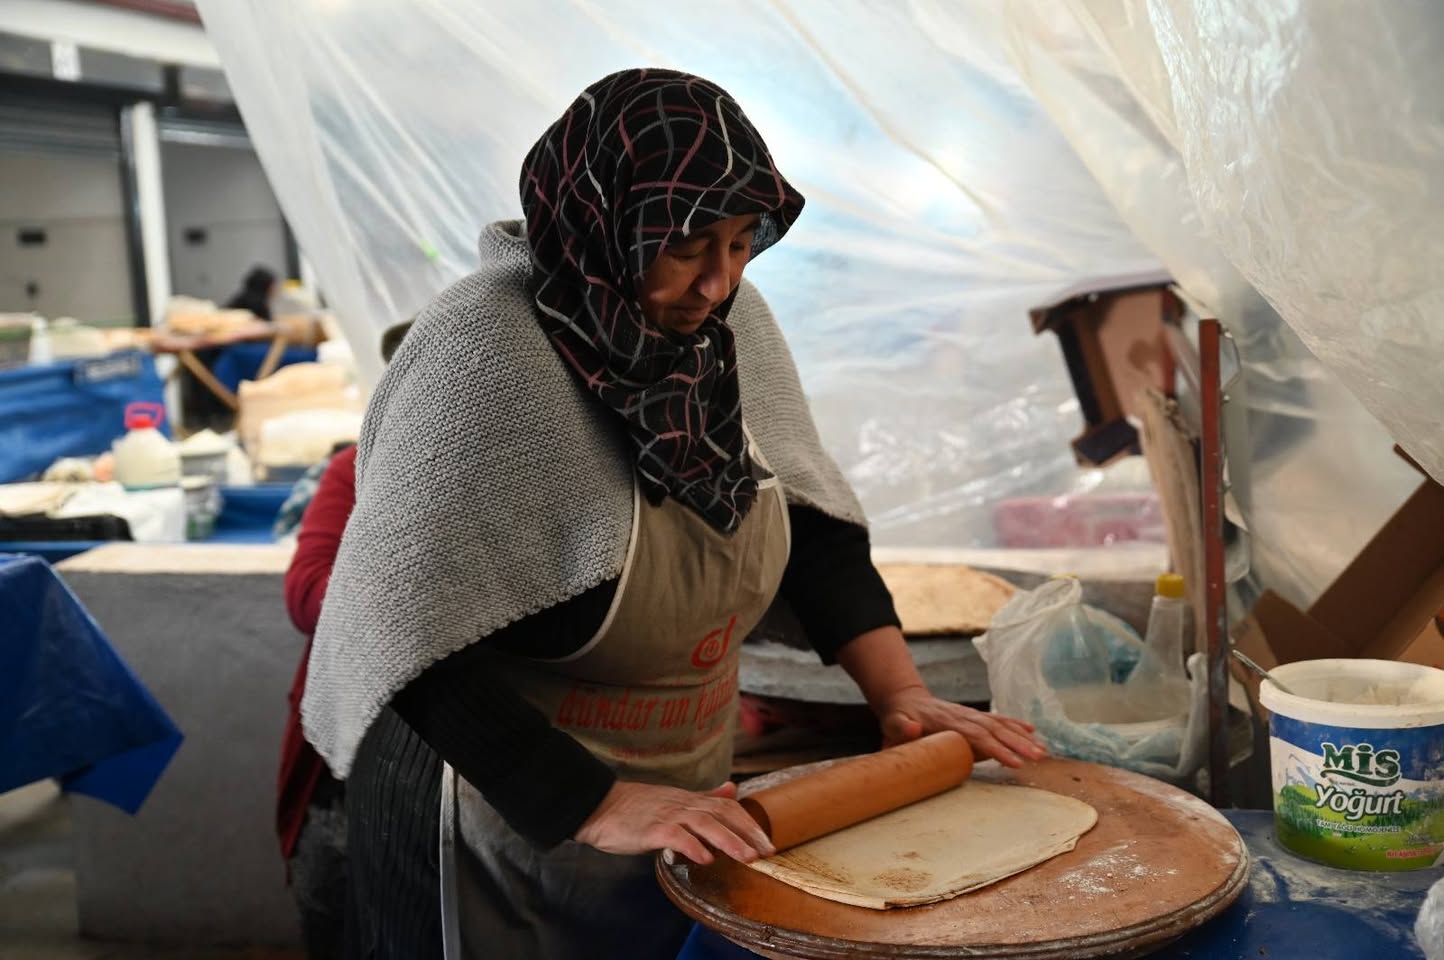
(542, 781)
(831, 583)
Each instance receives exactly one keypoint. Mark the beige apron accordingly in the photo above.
(654, 695)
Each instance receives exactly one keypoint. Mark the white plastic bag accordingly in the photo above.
(1429, 928)
(154, 516)
(1060, 665)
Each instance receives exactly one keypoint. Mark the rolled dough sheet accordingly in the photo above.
(936, 599)
(969, 837)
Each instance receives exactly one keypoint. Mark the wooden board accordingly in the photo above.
(944, 599)
(1159, 863)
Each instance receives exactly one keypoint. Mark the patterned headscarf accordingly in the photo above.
(638, 162)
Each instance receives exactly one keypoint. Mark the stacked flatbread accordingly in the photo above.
(934, 598)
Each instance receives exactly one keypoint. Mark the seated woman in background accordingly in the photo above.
(257, 291)
(201, 407)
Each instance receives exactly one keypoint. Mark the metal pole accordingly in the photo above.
(1215, 608)
(141, 146)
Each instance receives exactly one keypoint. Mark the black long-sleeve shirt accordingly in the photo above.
(542, 781)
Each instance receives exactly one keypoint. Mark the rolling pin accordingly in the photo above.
(860, 788)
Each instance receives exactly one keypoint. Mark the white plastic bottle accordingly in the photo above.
(1158, 686)
(41, 350)
(144, 458)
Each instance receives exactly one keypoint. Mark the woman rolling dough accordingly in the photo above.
(583, 479)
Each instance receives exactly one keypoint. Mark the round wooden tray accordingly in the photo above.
(1159, 863)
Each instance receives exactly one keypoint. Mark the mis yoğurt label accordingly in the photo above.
(1356, 798)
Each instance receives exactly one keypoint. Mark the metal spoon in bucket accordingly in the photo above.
(1248, 662)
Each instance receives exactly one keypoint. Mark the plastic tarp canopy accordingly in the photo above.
(69, 706)
(1259, 150)
(69, 409)
(963, 161)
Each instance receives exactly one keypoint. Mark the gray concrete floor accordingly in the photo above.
(37, 891)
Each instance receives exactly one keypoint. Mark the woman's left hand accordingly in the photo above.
(913, 712)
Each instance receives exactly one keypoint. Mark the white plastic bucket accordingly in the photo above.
(206, 466)
(1358, 762)
(205, 454)
(203, 506)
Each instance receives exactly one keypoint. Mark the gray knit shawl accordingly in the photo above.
(490, 486)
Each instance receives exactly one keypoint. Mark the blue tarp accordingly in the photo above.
(69, 706)
(69, 409)
(247, 513)
(242, 361)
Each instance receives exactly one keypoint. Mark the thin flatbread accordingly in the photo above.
(936, 849)
(937, 598)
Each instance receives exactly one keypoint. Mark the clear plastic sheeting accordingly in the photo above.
(963, 161)
(1313, 134)
(942, 202)
(1301, 444)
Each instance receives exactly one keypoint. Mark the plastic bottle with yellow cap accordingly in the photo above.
(1159, 684)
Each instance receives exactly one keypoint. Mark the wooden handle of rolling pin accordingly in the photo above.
(861, 788)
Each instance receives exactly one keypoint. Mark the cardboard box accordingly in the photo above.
(1384, 606)
(1427, 648)
(1111, 332)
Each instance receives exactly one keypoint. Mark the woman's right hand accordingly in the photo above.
(641, 817)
